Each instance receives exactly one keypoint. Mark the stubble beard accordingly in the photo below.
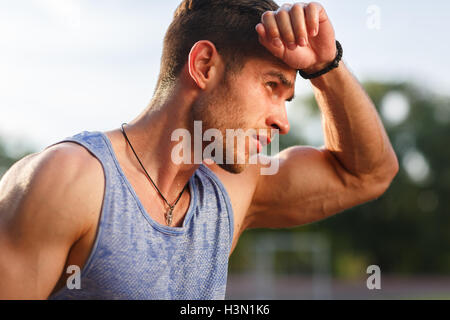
(220, 110)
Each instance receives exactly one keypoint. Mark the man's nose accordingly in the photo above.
(279, 121)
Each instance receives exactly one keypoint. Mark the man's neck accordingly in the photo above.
(150, 134)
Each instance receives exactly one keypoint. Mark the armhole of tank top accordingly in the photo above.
(225, 196)
(105, 202)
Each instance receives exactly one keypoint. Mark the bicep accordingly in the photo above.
(310, 185)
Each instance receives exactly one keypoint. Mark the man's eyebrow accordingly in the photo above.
(282, 78)
(283, 81)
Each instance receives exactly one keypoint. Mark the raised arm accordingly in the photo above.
(357, 163)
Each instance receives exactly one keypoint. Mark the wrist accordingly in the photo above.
(329, 79)
(319, 70)
(317, 67)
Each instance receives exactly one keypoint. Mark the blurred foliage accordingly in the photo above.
(407, 230)
(8, 158)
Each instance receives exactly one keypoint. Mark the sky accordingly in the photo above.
(68, 66)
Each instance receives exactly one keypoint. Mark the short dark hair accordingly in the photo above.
(229, 24)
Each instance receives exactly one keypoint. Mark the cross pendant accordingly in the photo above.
(169, 216)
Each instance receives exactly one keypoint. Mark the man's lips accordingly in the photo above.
(262, 141)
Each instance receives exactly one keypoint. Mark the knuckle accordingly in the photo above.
(267, 15)
(297, 12)
(297, 15)
(297, 7)
(315, 5)
(283, 14)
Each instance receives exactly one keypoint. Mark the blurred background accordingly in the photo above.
(67, 66)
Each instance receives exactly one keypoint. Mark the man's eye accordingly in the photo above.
(272, 84)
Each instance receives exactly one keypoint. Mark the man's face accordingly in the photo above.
(252, 100)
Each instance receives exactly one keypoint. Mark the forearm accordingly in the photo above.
(352, 127)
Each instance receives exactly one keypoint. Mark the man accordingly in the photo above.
(140, 225)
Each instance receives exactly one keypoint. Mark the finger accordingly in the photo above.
(299, 24)
(285, 27)
(270, 25)
(260, 29)
(265, 40)
(312, 12)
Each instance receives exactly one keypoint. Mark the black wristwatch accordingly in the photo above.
(333, 65)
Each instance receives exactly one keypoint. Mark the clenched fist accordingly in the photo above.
(301, 35)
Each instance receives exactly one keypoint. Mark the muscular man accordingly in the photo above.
(140, 225)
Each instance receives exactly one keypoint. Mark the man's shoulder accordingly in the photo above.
(72, 167)
(60, 182)
(49, 201)
(64, 163)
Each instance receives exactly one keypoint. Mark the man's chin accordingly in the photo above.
(233, 168)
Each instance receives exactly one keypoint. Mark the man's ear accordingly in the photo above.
(203, 63)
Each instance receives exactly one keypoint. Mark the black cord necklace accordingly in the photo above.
(169, 213)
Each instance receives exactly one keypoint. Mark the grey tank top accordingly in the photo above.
(135, 257)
